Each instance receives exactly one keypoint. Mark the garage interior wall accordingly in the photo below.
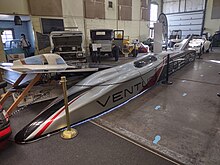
(145, 13)
(24, 28)
(211, 25)
(125, 10)
(74, 16)
(94, 9)
(2, 53)
(12, 6)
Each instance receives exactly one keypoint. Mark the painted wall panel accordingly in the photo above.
(144, 31)
(46, 8)
(2, 53)
(94, 9)
(18, 30)
(211, 25)
(72, 8)
(111, 13)
(216, 9)
(14, 6)
(136, 12)
(134, 29)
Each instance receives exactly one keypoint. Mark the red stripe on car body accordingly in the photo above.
(55, 116)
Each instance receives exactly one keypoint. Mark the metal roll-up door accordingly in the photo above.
(188, 22)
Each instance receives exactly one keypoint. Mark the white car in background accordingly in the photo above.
(199, 44)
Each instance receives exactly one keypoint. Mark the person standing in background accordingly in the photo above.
(25, 45)
(211, 40)
(115, 51)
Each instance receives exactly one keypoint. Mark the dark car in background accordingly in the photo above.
(150, 43)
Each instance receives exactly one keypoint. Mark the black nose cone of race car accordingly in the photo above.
(21, 136)
(31, 132)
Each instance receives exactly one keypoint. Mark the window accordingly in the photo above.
(153, 14)
(153, 17)
(7, 35)
(110, 4)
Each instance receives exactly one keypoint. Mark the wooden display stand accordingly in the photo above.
(12, 57)
(22, 95)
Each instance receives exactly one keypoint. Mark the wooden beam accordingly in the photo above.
(23, 94)
(8, 93)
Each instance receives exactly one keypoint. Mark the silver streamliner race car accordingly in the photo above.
(103, 91)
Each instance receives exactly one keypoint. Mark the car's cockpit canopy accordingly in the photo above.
(145, 61)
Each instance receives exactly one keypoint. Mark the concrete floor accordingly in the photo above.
(180, 122)
(93, 146)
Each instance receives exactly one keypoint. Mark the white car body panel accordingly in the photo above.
(199, 45)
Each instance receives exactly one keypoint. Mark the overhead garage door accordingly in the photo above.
(188, 22)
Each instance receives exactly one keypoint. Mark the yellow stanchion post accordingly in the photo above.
(69, 133)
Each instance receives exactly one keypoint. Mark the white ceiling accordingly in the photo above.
(11, 17)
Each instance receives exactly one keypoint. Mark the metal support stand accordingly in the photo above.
(69, 133)
(135, 51)
(167, 82)
(200, 54)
